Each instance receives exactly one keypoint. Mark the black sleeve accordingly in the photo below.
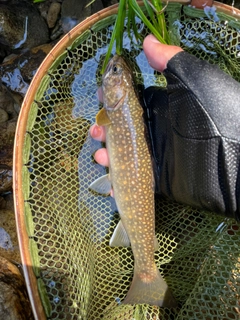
(194, 127)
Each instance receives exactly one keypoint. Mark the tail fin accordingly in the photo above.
(153, 292)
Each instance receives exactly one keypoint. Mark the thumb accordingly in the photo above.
(158, 54)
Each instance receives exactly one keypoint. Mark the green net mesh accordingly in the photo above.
(79, 276)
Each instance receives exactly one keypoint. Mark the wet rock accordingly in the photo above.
(9, 247)
(3, 115)
(18, 71)
(15, 82)
(14, 302)
(53, 14)
(75, 11)
(8, 203)
(57, 31)
(5, 240)
(3, 53)
(7, 133)
(5, 178)
(2, 203)
(8, 103)
(43, 8)
(21, 26)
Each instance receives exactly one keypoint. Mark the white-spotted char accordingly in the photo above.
(131, 176)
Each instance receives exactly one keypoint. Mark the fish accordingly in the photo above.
(131, 177)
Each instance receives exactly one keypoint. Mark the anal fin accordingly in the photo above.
(101, 185)
(120, 237)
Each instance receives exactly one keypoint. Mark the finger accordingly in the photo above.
(112, 193)
(100, 94)
(98, 132)
(101, 157)
(158, 54)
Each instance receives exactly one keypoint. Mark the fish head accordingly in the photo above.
(116, 82)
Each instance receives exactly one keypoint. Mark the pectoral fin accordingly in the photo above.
(120, 237)
(102, 118)
(102, 185)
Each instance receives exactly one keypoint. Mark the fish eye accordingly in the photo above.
(116, 68)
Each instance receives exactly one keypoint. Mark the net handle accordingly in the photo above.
(200, 4)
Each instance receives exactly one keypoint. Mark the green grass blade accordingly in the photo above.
(155, 23)
(141, 15)
(109, 51)
(131, 25)
(120, 26)
(150, 12)
(161, 19)
(117, 34)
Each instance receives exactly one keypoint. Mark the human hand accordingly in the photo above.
(194, 129)
(158, 55)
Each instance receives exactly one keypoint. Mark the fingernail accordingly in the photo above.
(153, 39)
(96, 131)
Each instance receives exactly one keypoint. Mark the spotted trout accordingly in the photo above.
(131, 177)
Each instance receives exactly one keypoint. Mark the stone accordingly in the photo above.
(3, 203)
(5, 240)
(53, 14)
(57, 31)
(43, 8)
(7, 103)
(18, 71)
(8, 203)
(9, 247)
(75, 11)
(3, 115)
(7, 134)
(14, 302)
(21, 26)
(5, 178)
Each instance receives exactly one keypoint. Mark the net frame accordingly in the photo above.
(19, 149)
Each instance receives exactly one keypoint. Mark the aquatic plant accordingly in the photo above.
(153, 18)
